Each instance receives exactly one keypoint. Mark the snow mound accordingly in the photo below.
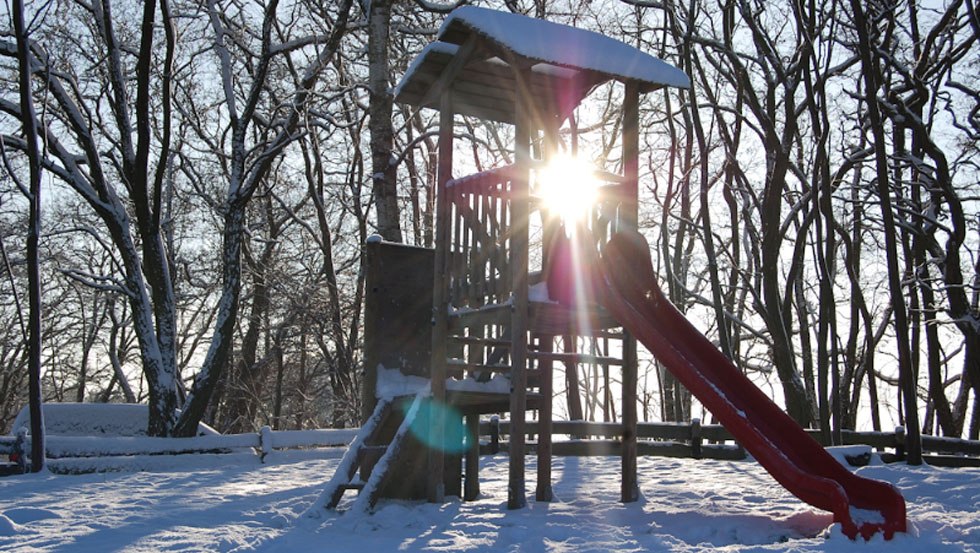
(8, 527)
(26, 515)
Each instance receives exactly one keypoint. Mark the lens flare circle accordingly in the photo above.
(452, 438)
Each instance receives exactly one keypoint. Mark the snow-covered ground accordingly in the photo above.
(234, 503)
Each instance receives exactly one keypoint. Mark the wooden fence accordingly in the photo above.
(712, 441)
(73, 454)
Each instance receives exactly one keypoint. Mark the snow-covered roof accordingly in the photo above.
(565, 64)
(562, 45)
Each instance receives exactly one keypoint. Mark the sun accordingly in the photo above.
(568, 187)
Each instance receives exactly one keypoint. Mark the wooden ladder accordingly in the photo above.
(376, 459)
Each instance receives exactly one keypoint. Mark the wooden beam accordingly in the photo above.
(435, 488)
(528, 110)
(630, 216)
(520, 215)
(452, 69)
(631, 155)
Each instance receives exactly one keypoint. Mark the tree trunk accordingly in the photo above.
(33, 237)
(383, 170)
(872, 79)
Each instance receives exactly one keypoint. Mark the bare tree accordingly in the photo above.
(248, 168)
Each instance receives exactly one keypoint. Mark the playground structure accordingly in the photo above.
(476, 325)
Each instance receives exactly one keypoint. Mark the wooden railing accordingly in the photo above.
(712, 441)
(577, 438)
(480, 238)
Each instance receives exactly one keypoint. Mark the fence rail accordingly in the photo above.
(712, 441)
(570, 438)
(75, 453)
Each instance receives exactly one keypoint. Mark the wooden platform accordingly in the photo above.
(468, 402)
(477, 403)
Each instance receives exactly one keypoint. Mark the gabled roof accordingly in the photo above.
(565, 64)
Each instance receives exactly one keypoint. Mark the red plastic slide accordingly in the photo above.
(627, 287)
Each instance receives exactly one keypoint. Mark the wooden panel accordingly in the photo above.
(398, 308)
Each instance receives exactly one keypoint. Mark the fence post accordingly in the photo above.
(696, 438)
(265, 441)
(900, 443)
(494, 434)
(20, 449)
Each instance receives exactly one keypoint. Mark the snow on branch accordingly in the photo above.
(97, 282)
(439, 8)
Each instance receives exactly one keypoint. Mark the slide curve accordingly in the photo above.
(626, 286)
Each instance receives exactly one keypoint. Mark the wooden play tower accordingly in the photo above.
(465, 316)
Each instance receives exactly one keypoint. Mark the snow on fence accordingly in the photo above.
(100, 453)
(712, 441)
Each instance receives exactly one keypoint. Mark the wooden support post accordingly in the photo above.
(471, 487)
(629, 216)
(545, 369)
(900, 443)
(696, 441)
(546, 344)
(520, 216)
(452, 475)
(629, 210)
(573, 394)
(494, 434)
(435, 489)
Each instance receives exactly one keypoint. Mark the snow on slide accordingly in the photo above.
(627, 288)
